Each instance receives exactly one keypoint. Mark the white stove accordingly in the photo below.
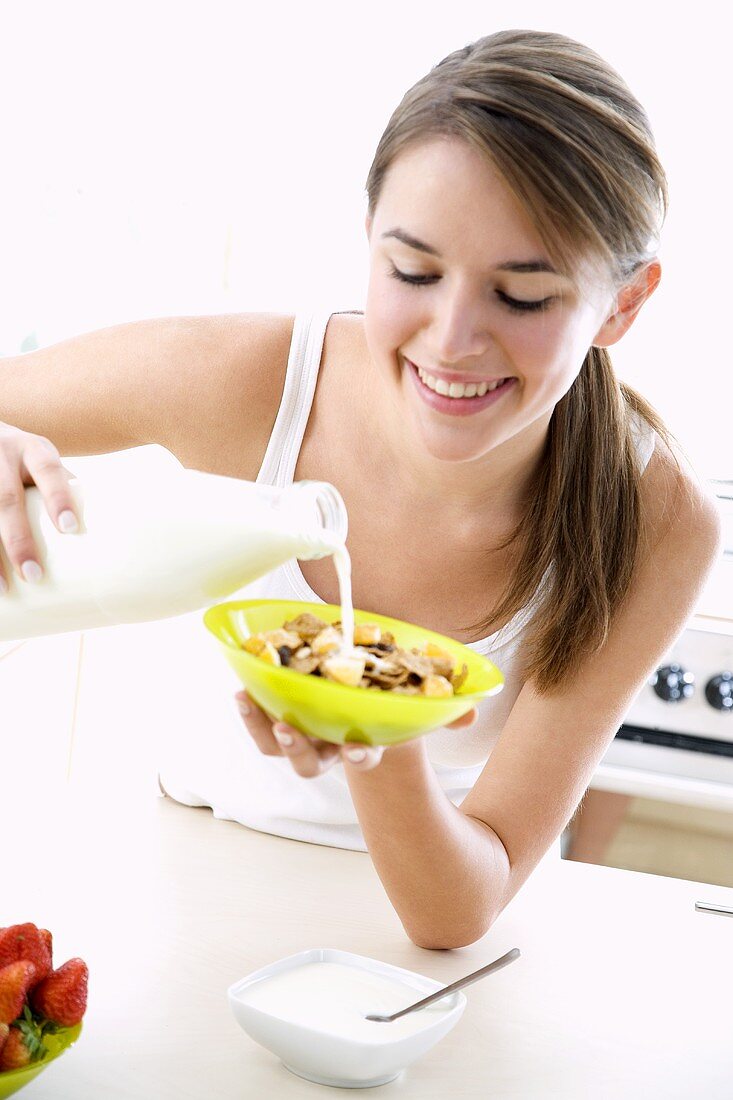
(676, 742)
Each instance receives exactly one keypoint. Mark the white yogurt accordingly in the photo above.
(334, 998)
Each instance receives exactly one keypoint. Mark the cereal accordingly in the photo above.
(345, 670)
(376, 663)
(326, 641)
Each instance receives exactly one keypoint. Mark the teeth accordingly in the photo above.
(457, 389)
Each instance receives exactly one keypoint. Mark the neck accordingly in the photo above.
(494, 487)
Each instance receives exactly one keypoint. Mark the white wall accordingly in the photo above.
(165, 158)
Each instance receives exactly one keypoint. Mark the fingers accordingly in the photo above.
(42, 462)
(465, 720)
(309, 756)
(259, 725)
(362, 758)
(31, 459)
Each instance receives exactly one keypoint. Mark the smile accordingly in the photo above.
(458, 398)
(458, 389)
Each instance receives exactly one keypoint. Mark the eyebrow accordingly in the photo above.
(521, 267)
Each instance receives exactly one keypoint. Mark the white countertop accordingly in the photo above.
(623, 990)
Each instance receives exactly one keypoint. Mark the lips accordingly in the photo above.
(442, 380)
(459, 405)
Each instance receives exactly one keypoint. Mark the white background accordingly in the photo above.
(163, 159)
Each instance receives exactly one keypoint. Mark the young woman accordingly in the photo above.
(502, 486)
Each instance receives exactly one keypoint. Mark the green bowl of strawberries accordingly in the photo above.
(13, 1080)
(40, 1008)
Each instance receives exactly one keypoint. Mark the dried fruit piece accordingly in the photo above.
(345, 670)
(367, 634)
(443, 666)
(326, 641)
(436, 687)
(459, 678)
(254, 645)
(283, 637)
(270, 654)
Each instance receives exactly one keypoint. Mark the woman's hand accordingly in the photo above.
(27, 459)
(309, 755)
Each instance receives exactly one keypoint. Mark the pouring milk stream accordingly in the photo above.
(157, 544)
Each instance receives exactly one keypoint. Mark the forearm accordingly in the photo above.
(444, 872)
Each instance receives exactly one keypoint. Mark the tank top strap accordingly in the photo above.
(644, 437)
(304, 359)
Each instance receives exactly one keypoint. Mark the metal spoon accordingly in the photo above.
(440, 993)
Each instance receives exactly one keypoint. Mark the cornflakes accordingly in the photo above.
(311, 646)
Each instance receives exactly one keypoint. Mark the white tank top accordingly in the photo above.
(210, 759)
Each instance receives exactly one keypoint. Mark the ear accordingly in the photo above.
(627, 304)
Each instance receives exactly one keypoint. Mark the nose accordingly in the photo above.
(460, 327)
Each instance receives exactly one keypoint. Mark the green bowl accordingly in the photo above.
(13, 1080)
(336, 712)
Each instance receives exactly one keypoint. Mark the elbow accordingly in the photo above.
(449, 939)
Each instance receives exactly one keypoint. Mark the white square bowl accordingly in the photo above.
(337, 1060)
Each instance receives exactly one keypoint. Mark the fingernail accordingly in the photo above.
(244, 707)
(32, 571)
(68, 521)
(356, 755)
(283, 737)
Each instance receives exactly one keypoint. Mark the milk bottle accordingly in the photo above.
(160, 543)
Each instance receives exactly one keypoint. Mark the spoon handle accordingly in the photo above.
(468, 980)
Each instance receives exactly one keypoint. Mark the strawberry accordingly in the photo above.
(15, 981)
(15, 1053)
(25, 941)
(4, 1029)
(62, 997)
(24, 1043)
(48, 940)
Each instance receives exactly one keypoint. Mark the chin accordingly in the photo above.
(450, 446)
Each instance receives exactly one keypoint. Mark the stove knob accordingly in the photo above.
(673, 684)
(719, 692)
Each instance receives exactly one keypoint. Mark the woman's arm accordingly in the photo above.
(449, 872)
(206, 388)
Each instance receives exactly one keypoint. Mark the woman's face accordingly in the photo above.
(462, 294)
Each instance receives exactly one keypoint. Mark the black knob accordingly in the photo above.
(719, 692)
(673, 684)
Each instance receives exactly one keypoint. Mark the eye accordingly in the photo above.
(514, 304)
(519, 306)
(413, 280)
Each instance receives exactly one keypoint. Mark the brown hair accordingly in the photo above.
(576, 148)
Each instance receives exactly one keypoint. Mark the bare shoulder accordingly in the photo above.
(344, 336)
(677, 510)
(226, 376)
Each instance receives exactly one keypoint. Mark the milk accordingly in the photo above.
(335, 999)
(162, 543)
(342, 562)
